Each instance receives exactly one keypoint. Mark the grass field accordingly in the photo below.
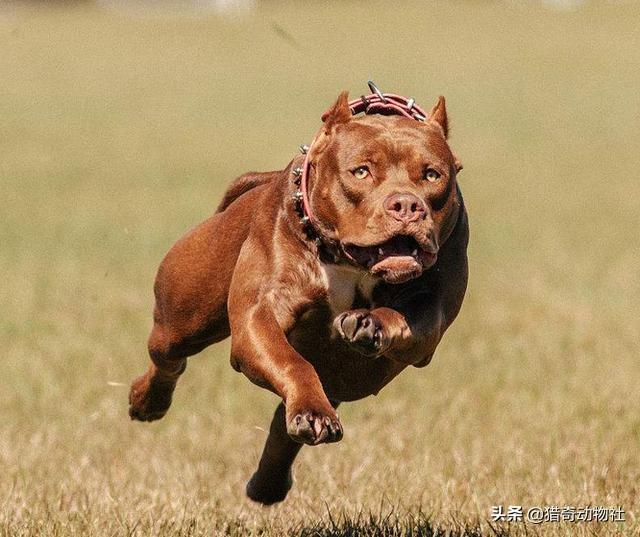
(119, 131)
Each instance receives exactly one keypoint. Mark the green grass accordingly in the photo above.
(119, 131)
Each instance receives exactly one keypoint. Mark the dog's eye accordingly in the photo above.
(360, 172)
(431, 175)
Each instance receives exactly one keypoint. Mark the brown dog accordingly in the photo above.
(329, 286)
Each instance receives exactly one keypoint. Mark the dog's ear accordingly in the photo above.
(339, 113)
(457, 163)
(438, 116)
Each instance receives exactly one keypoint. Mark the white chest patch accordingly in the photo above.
(342, 282)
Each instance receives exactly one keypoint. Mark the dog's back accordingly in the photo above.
(244, 184)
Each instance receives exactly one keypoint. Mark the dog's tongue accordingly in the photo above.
(397, 268)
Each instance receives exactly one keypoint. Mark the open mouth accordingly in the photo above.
(398, 259)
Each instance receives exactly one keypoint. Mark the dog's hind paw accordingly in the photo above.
(149, 399)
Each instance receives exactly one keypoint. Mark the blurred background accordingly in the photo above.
(120, 125)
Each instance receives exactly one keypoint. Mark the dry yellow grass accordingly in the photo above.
(119, 130)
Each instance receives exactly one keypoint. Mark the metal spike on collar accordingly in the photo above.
(297, 196)
(297, 171)
(304, 220)
(304, 149)
(376, 90)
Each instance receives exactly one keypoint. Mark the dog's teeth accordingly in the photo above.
(380, 251)
(415, 252)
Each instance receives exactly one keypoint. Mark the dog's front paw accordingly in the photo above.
(313, 424)
(149, 399)
(363, 331)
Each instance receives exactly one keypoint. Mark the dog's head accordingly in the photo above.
(385, 188)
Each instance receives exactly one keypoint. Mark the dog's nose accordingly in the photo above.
(405, 207)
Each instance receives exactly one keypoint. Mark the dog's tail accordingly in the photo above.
(244, 183)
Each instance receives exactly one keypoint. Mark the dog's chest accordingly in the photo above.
(347, 287)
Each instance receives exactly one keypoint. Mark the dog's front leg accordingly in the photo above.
(259, 348)
(410, 327)
(409, 336)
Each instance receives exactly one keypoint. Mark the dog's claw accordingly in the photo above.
(313, 428)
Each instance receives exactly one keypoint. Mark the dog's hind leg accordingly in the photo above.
(190, 314)
(151, 393)
(273, 478)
